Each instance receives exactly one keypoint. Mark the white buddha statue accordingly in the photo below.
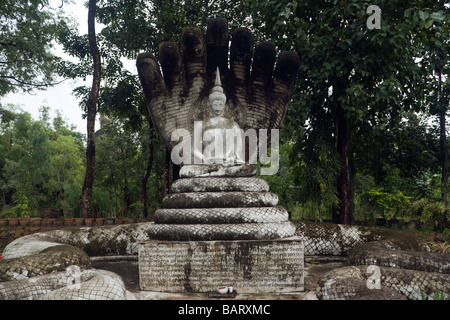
(221, 138)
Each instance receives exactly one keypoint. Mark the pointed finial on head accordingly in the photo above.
(217, 91)
(218, 82)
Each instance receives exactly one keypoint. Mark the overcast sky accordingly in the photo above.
(60, 97)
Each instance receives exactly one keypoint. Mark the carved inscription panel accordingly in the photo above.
(202, 266)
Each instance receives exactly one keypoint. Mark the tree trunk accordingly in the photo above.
(175, 171)
(86, 210)
(443, 103)
(344, 192)
(443, 140)
(343, 212)
(320, 210)
(144, 180)
(167, 171)
(126, 189)
(352, 174)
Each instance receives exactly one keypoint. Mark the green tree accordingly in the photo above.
(27, 36)
(66, 171)
(352, 77)
(39, 164)
(7, 120)
(435, 45)
(91, 108)
(27, 167)
(118, 150)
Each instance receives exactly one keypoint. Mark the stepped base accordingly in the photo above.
(218, 170)
(221, 215)
(207, 232)
(220, 184)
(257, 266)
(219, 200)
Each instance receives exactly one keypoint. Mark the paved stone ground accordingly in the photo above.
(127, 268)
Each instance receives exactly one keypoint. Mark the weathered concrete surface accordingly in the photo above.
(128, 268)
(200, 266)
(218, 170)
(220, 184)
(220, 200)
(221, 215)
(207, 232)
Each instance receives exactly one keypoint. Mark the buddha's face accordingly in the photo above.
(218, 107)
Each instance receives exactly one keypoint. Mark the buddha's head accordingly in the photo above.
(217, 98)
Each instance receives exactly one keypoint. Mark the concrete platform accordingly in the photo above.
(127, 267)
(256, 266)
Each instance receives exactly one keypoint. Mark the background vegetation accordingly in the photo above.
(365, 136)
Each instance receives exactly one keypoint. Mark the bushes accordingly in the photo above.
(391, 204)
(430, 213)
(43, 166)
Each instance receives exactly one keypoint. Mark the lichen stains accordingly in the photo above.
(51, 259)
(243, 259)
(114, 240)
(187, 271)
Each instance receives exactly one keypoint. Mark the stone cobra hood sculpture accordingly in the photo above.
(257, 92)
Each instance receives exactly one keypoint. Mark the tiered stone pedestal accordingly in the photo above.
(221, 227)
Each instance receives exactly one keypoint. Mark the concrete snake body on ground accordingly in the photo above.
(383, 264)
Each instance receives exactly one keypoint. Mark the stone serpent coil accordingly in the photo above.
(36, 266)
(383, 264)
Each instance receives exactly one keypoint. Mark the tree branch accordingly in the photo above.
(31, 84)
(8, 44)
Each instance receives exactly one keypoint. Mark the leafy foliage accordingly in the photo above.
(391, 203)
(39, 163)
(27, 35)
(357, 86)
